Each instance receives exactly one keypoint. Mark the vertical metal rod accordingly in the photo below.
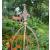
(24, 35)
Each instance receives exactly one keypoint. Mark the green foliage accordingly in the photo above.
(39, 20)
(38, 8)
(4, 48)
(9, 28)
(38, 26)
(41, 31)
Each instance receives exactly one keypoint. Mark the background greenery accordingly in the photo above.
(38, 20)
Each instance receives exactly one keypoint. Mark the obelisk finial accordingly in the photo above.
(25, 13)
